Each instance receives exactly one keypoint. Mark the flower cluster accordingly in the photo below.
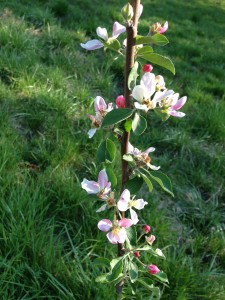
(151, 92)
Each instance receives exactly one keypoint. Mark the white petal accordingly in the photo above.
(91, 132)
(118, 29)
(99, 104)
(149, 150)
(92, 45)
(122, 205)
(153, 167)
(139, 93)
(102, 33)
(133, 216)
(125, 196)
(160, 95)
(102, 208)
(102, 179)
(148, 82)
(91, 187)
(140, 204)
(140, 106)
(177, 114)
(104, 225)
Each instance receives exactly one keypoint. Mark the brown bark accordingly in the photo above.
(129, 63)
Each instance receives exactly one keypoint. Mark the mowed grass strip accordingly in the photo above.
(49, 238)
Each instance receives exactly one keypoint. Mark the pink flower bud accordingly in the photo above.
(153, 269)
(150, 239)
(137, 254)
(147, 68)
(146, 228)
(120, 101)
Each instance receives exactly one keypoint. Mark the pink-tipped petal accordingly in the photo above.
(118, 29)
(104, 225)
(99, 104)
(92, 45)
(125, 222)
(140, 204)
(164, 28)
(102, 179)
(179, 103)
(91, 187)
(177, 114)
(133, 216)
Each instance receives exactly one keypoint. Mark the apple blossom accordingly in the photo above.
(172, 104)
(102, 187)
(126, 203)
(160, 83)
(117, 233)
(153, 269)
(101, 109)
(158, 28)
(103, 34)
(109, 202)
(142, 158)
(143, 93)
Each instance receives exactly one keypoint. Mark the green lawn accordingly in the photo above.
(48, 233)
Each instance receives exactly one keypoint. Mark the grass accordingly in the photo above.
(49, 238)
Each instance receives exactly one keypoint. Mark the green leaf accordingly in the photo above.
(116, 115)
(112, 44)
(102, 278)
(157, 252)
(128, 157)
(160, 60)
(147, 282)
(133, 272)
(132, 235)
(145, 176)
(133, 76)
(144, 50)
(162, 276)
(157, 39)
(128, 125)
(144, 248)
(163, 180)
(134, 185)
(111, 176)
(139, 124)
(106, 151)
(117, 268)
(102, 261)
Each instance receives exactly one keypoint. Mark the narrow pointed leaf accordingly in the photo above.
(162, 276)
(116, 115)
(163, 180)
(145, 176)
